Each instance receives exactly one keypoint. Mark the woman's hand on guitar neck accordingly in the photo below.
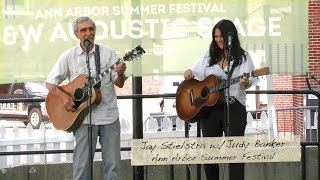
(245, 82)
(188, 75)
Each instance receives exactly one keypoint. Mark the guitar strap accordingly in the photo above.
(97, 63)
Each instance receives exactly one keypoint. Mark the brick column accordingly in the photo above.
(295, 120)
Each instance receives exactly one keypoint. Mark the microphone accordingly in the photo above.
(315, 79)
(86, 42)
(230, 38)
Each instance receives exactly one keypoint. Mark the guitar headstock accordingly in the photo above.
(260, 72)
(133, 54)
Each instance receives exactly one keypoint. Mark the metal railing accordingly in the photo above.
(138, 127)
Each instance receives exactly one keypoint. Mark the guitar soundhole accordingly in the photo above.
(204, 92)
(78, 94)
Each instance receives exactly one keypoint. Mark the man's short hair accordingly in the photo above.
(81, 20)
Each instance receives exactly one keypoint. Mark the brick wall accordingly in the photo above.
(314, 41)
(150, 85)
(299, 82)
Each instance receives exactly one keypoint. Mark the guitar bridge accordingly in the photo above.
(191, 97)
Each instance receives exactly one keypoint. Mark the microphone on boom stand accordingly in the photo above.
(315, 79)
(230, 58)
(86, 43)
(229, 44)
(230, 39)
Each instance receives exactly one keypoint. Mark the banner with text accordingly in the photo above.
(174, 33)
(194, 150)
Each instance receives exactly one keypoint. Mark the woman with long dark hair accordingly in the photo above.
(216, 61)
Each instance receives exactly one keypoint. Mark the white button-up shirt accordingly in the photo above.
(201, 70)
(72, 63)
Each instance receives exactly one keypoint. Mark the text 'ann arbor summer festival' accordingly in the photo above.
(214, 150)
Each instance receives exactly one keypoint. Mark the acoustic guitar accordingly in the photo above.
(78, 89)
(194, 98)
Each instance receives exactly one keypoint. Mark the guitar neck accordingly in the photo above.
(223, 84)
(96, 80)
(129, 56)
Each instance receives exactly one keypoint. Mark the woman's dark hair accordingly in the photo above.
(216, 54)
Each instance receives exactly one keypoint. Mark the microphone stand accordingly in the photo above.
(315, 79)
(308, 83)
(89, 93)
(227, 119)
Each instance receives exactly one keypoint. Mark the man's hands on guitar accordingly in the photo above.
(121, 68)
(68, 103)
(66, 99)
(188, 75)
